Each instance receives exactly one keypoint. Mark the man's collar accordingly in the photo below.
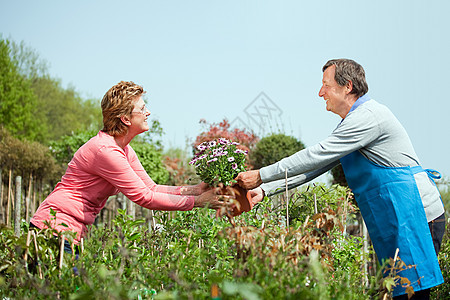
(358, 102)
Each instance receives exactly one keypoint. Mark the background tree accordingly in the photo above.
(34, 105)
(273, 148)
(18, 102)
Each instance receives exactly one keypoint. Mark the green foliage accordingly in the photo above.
(151, 159)
(257, 258)
(443, 290)
(64, 149)
(444, 189)
(63, 110)
(34, 105)
(18, 102)
(273, 148)
(338, 176)
(184, 258)
(25, 158)
(306, 200)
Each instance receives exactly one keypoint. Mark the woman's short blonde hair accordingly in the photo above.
(117, 102)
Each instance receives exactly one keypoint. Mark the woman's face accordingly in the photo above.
(139, 116)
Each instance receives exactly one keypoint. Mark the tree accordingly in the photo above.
(18, 102)
(273, 148)
(63, 110)
(36, 106)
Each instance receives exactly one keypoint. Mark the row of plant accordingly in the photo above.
(188, 256)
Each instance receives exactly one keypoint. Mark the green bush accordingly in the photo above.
(151, 159)
(273, 148)
(443, 291)
(255, 258)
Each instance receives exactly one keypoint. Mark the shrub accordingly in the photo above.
(273, 148)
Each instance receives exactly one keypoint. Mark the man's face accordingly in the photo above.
(333, 93)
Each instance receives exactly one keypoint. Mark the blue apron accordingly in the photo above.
(392, 209)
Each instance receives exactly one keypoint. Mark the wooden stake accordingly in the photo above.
(287, 200)
(25, 257)
(1, 196)
(17, 208)
(315, 204)
(61, 253)
(28, 199)
(8, 205)
(37, 257)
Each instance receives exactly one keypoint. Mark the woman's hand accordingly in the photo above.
(200, 188)
(195, 190)
(211, 199)
(249, 180)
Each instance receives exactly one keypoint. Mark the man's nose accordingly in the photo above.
(321, 93)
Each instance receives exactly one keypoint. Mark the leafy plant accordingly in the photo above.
(247, 140)
(273, 148)
(219, 161)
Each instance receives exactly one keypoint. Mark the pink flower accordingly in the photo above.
(230, 159)
(211, 160)
(234, 166)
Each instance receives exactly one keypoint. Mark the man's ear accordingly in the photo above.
(349, 86)
(125, 120)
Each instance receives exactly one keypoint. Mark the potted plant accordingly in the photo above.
(218, 162)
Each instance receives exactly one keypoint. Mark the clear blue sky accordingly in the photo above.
(210, 59)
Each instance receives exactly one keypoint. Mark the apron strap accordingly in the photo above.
(433, 174)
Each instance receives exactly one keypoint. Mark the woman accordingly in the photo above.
(107, 165)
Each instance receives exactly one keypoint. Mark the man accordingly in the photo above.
(395, 195)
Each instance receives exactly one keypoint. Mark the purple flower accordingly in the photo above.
(193, 161)
(230, 159)
(224, 141)
(201, 147)
(211, 160)
(234, 166)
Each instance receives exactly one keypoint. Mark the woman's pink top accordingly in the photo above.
(99, 169)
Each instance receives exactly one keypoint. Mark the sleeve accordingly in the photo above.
(356, 131)
(129, 177)
(140, 171)
(279, 186)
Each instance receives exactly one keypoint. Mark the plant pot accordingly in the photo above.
(240, 205)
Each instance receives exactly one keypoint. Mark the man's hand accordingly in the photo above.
(249, 180)
(256, 195)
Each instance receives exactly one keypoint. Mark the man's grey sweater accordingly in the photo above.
(373, 130)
